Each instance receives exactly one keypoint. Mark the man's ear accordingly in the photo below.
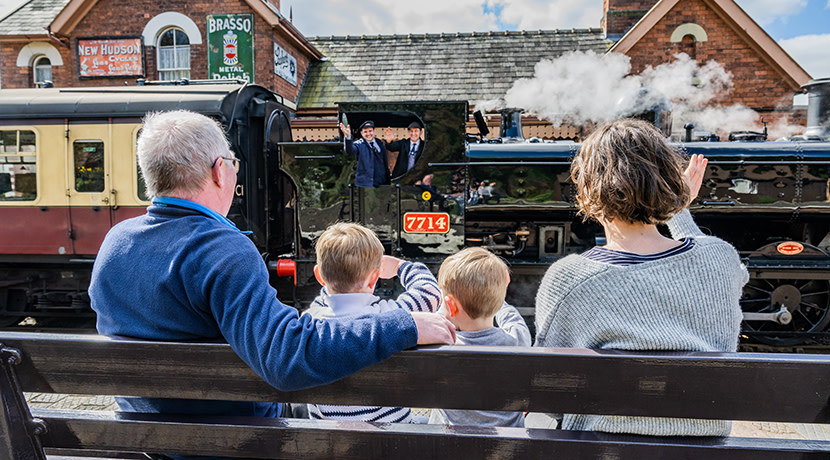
(452, 304)
(317, 275)
(217, 173)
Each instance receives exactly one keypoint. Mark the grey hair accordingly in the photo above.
(177, 149)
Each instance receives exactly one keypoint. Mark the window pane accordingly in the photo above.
(43, 73)
(142, 186)
(167, 38)
(181, 38)
(89, 166)
(18, 175)
(183, 57)
(167, 58)
(8, 141)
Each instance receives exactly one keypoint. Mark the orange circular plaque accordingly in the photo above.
(790, 248)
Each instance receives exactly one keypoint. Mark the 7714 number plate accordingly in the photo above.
(426, 222)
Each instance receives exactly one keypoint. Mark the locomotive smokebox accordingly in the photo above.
(649, 105)
(818, 109)
(510, 129)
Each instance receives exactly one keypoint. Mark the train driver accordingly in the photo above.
(372, 162)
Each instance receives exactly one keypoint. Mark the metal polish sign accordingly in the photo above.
(230, 46)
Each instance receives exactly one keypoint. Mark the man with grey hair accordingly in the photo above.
(184, 272)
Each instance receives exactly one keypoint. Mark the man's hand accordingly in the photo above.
(433, 329)
(693, 175)
(388, 134)
(389, 267)
(346, 131)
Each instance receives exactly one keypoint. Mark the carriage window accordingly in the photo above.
(173, 55)
(89, 166)
(18, 169)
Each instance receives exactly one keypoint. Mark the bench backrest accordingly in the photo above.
(730, 386)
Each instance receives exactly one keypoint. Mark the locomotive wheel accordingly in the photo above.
(808, 302)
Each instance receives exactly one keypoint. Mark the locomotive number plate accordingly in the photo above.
(426, 222)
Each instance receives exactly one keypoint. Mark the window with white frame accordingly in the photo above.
(42, 70)
(173, 55)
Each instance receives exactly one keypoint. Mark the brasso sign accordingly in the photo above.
(230, 46)
(110, 57)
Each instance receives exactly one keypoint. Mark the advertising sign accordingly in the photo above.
(110, 57)
(285, 65)
(231, 46)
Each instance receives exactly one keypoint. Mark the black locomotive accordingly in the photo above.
(513, 196)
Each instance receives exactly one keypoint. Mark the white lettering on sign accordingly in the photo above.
(88, 50)
(216, 24)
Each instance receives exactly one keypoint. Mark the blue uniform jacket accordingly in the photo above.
(372, 166)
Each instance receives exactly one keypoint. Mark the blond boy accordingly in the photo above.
(350, 261)
(474, 284)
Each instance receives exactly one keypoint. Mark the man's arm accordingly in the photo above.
(290, 352)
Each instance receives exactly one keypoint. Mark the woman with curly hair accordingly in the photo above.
(642, 290)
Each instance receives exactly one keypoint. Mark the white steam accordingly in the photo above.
(581, 87)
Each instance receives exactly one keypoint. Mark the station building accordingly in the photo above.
(78, 43)
(72, 43)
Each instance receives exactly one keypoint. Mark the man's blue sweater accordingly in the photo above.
(176, 274)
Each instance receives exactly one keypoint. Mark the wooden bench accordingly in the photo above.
(731, 386)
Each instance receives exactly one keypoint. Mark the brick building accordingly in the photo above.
(56, 40)
(73, 43)
(650, 32)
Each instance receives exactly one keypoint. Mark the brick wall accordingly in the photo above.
(129, 17)
(756, 84)
(620, 15)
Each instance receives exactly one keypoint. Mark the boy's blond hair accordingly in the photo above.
(346, 255)
(477, 278)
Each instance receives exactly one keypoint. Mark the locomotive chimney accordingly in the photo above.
(510, 129)
(818, 109)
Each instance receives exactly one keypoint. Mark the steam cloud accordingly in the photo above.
(582, 87)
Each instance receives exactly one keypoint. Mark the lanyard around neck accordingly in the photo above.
(165, 201)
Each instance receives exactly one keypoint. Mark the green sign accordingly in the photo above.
(231, 46)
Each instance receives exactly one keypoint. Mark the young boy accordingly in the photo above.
(349, 262)
(474, 284)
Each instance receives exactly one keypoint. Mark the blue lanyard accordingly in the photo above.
(165, 201)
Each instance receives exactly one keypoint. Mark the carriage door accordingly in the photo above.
(88, 185)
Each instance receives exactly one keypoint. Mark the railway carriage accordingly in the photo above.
(68, 173)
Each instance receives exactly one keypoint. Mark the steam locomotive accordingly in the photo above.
(512, 196)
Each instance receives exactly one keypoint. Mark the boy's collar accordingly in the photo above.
(353, 303)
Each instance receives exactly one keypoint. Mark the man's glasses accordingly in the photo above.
(234, 161)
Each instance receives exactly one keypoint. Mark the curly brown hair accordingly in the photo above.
(627, 170)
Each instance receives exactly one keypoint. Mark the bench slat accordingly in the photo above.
(326, 439)
(743, 386)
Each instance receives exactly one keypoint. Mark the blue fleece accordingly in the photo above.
(178, 275)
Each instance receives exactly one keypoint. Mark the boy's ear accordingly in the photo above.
(452, 304)
(317, 275)
(373, 279)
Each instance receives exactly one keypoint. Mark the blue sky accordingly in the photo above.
(802, 27)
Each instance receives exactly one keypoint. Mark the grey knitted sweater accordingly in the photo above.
(683, 302)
